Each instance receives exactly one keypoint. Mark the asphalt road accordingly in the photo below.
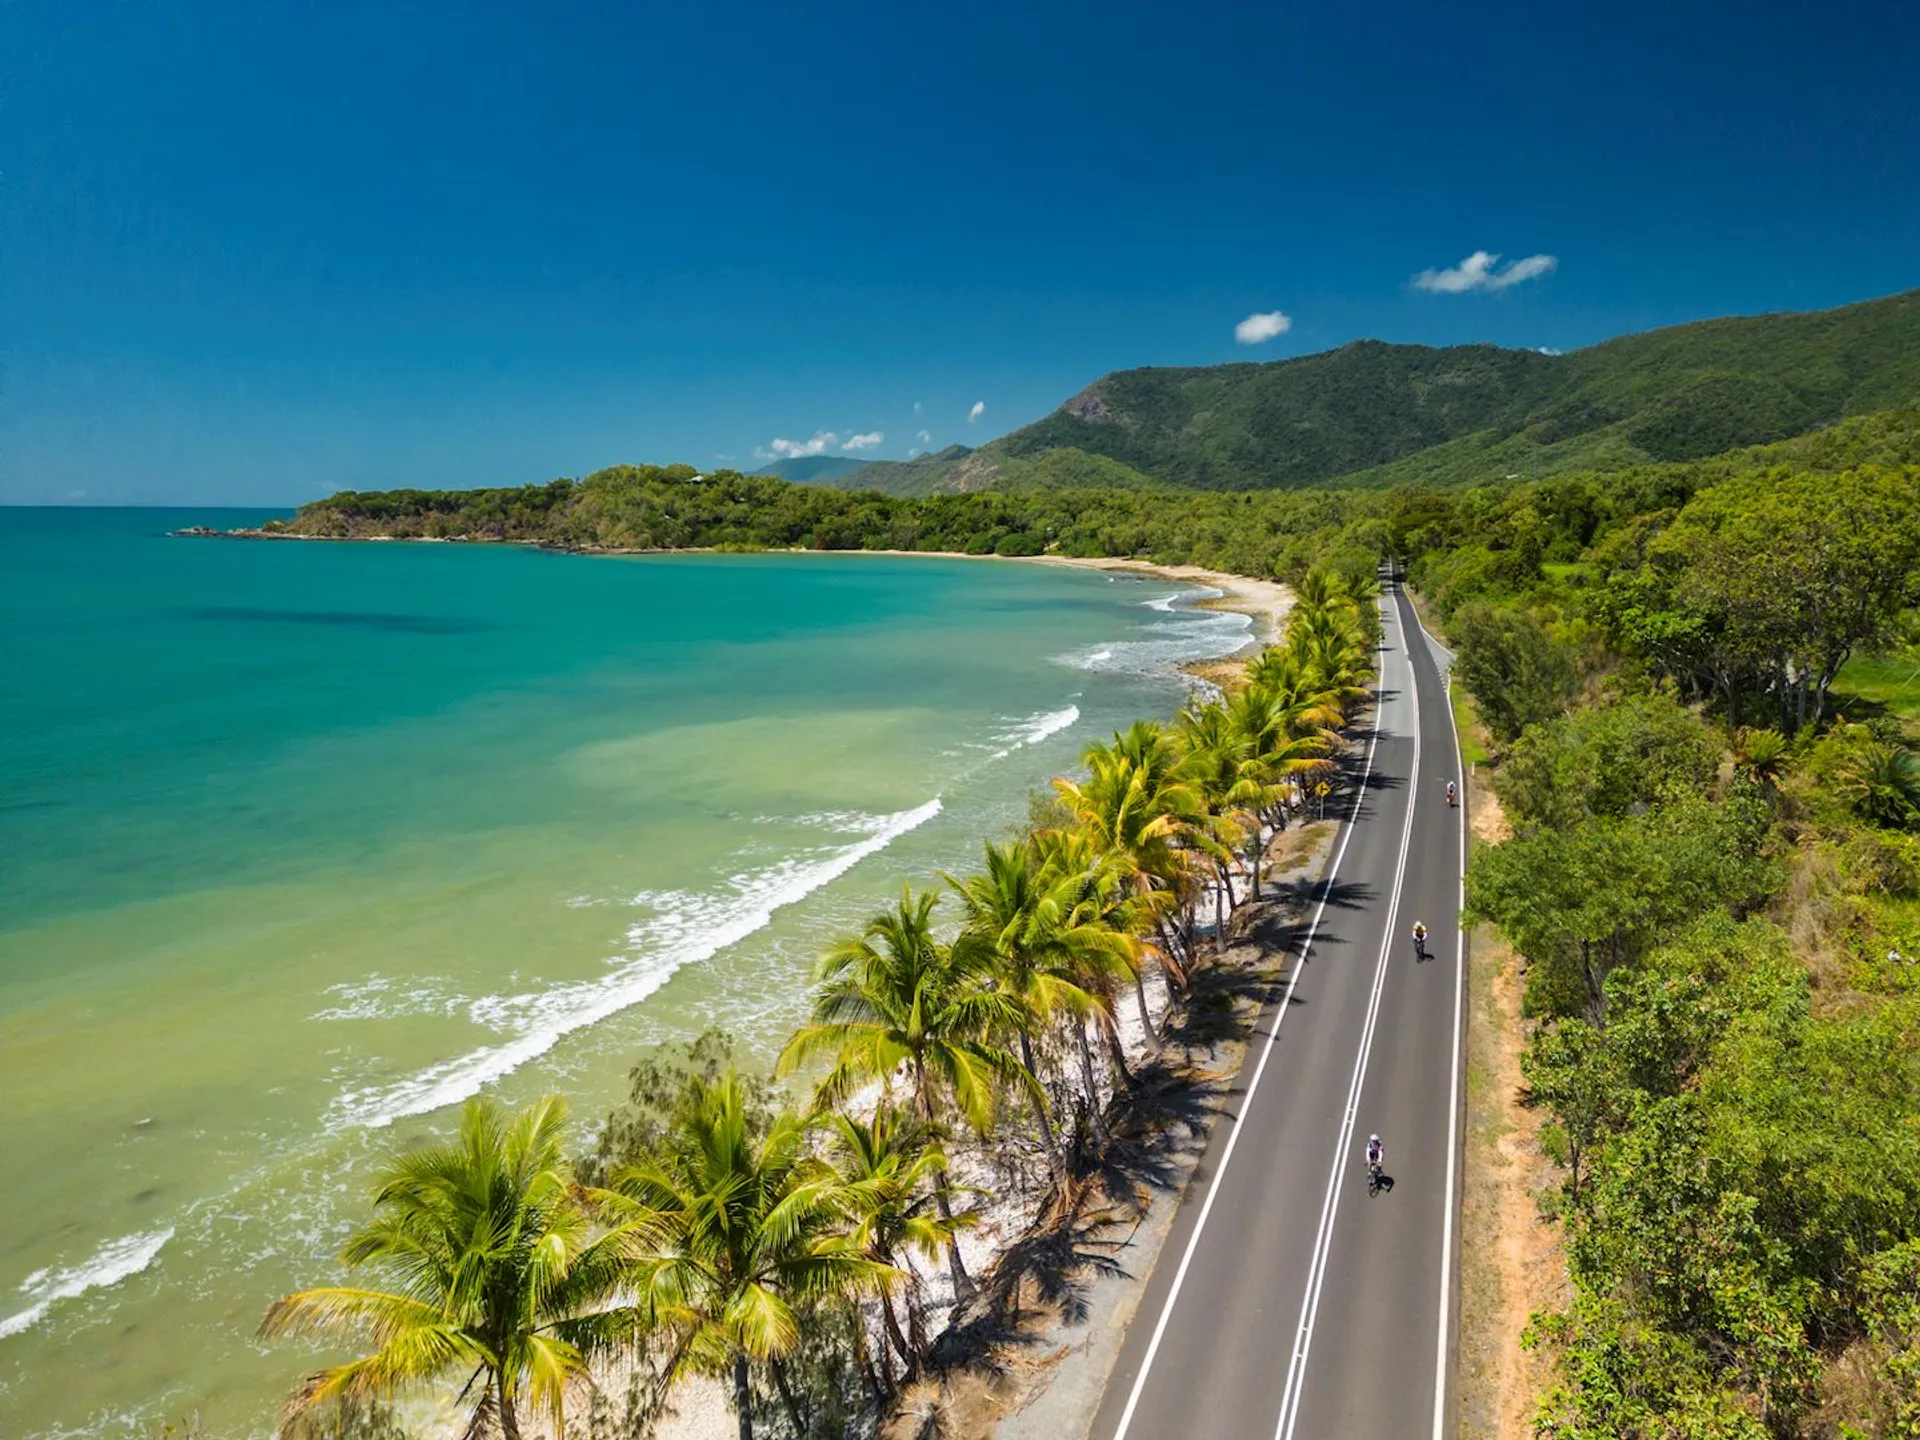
(1287, 1301)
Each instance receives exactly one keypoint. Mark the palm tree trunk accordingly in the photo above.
(963, 1286)
(901, 1344)
(1146, 1016)
(742, 1397)
(787, 1398)
(1116, 1052)
(1096, 1117)
(962, 1283)
(1040, 1110)
(509, 1421)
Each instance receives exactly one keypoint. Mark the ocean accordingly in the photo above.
(301, 844)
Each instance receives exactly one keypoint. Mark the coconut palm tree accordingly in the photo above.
(489, 1257)
(896, 999)
(1292, 739)
(1143, 814)
(1106, 902)
(1232, 780)
(892, 1171)
(1043, 936)
(734, 1224)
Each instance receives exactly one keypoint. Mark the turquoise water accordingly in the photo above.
(301, 844)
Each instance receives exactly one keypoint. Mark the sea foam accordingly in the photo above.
(109, 1265)
(1033, 729)
(684, 929)
(1185, 634)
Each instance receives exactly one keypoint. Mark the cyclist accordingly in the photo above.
(1419, 940)
(1376, 1157)
(1450, 794)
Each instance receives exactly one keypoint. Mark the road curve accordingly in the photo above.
(1286, 1301)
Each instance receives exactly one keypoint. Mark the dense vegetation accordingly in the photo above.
(1375, 414)
(1715, 883)
(1713, 876)
(718, 1229)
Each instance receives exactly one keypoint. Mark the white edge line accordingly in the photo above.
(1336, 1179)
(1453, 1103)
(1233, 1137)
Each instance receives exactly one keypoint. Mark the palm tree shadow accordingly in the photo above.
(1158, 1132)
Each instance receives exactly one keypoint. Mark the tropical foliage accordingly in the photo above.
(715, 1230)
(1715, 888)
(1713, 875)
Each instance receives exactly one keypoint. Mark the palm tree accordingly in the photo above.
(1041, 936)
(1107, 903)
(1291, 739)
(733, 1224)
(1230, 777)
(892, 1172)
(1142, 814)
(489, 1256)
(896, 998)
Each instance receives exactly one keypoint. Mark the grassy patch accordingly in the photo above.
(1472, 752)
(1567, 571)
(1890, 683)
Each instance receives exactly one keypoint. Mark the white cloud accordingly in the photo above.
(1481, 271)
(1256, 328)
(823, 440)
(918, 409)
(925, 437)
(1548, 350)
(864, 442)
(760, 452)
(979, 409)
(912, 453)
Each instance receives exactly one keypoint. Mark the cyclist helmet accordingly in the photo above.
(1373, 1139)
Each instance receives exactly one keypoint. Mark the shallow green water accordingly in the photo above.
(300, 844)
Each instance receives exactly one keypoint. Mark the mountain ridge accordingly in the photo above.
(1374, 412)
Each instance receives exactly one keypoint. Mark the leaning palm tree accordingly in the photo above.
(896, 999)
(1042, 935)
(1142, 813)
(733, 1226)
(1106, 905)
(892, 1172)
(489, 1258)
(1228, 772)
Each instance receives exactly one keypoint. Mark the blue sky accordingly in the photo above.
(254, 253)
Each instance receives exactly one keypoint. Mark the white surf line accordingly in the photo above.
(1337, 1174)
(1240, 1123)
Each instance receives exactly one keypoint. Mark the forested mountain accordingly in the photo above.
(813, 469)
(1371, 413)
(1278, 531)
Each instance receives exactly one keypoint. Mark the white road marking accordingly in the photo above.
(1453, 1093)
(1240, 1124)
(1336, 1177)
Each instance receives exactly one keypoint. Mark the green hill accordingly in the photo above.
(813, 469)
(1371, 413)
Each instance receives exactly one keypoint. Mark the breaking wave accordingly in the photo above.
(109, 1265)
(683, 929)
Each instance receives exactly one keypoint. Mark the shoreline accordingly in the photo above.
(1265, 602)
